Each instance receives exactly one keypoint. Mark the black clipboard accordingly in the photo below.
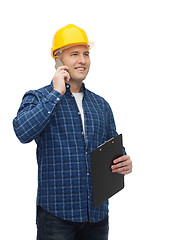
(105, 182)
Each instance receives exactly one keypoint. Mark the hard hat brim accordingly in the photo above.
(88, 44)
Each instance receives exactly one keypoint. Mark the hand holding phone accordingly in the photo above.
(61, 76)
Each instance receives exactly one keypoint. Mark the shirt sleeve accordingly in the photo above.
(34, 114)
(111, 126)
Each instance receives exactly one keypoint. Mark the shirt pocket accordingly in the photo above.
(96, 123)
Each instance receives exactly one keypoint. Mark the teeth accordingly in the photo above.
(80, 68)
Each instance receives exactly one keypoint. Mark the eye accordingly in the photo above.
(73, 54)
(86, 54)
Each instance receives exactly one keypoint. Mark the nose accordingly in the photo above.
(82, 59)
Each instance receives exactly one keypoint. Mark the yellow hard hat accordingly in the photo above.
(68, 36)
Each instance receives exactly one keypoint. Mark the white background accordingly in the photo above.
(131, 68)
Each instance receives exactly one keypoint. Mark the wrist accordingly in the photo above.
(62, 92)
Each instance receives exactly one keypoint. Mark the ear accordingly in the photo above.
(56, 57)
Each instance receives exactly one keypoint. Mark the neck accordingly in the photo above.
(75, 87)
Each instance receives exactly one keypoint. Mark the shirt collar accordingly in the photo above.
(83, 88)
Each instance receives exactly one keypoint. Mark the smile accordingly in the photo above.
(80, 69)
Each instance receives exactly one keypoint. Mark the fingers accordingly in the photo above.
(67, 76)
(122, 165)
(59, 69)
(120, 159)
(60, 77)
(63, 70)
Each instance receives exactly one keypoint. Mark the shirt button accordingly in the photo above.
(49, 112)
(58, 98)
(79, 113)
(86, 153)
(82, 133)
(67, 86)
(88, 174)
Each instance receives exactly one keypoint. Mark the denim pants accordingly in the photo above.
(50, 227)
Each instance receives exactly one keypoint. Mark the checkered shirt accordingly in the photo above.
(63, 152)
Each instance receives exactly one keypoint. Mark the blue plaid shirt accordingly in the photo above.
(63, 153)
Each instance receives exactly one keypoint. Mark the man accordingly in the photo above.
(68, 121)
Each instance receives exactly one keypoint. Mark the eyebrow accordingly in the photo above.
(78, 52)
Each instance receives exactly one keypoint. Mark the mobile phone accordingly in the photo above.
(58, 63)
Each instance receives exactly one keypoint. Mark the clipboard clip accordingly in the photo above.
(105, 143)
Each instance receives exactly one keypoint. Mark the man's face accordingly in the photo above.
(78, 60)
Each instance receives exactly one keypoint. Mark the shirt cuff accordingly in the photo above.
(54, 96)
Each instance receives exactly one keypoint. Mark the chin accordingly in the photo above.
(78, 79)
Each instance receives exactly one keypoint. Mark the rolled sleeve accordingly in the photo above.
(34, 114)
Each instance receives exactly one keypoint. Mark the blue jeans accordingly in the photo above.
(50, 227)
